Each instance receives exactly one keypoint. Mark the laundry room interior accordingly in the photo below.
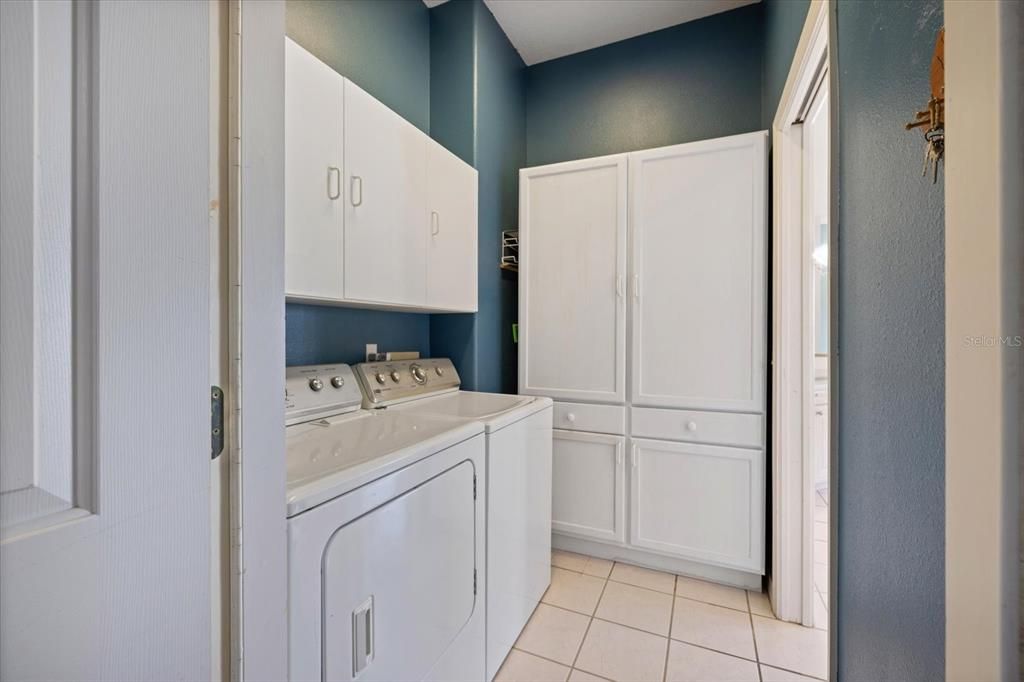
(563, 135)
(618, 340)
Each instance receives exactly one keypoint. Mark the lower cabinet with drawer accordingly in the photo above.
(682, 490)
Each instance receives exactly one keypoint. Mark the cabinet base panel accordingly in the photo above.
(639, 557)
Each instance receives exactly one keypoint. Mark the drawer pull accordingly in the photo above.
(570, 418)
(691, 426)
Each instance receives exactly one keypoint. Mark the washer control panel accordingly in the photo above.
(386, 383)
(317, 391)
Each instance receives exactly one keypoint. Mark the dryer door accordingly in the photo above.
(399, 584)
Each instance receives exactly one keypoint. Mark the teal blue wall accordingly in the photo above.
(501, 152)
(889, 371)
(783, 22)
(689, 82)
(453, 95)
(384, 47)
(482, 117)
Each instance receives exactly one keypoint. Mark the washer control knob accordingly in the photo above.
(337, 382)
(395, 376)
(439, 370)
(691, 426)
(418, 374)
(316, 384)
(379, 377)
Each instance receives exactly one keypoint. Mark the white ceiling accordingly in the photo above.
(546, 29)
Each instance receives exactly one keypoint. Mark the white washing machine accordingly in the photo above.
(519, 437)
(386, 559)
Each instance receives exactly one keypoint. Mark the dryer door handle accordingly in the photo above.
(362, 636)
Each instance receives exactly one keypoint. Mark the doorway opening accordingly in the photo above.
(803, 261)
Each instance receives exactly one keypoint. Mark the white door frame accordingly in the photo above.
(984, 386)
(791, 586)
(255, 409)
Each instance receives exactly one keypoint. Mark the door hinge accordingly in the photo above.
(474, 582)
(216, 421)
(474, 486)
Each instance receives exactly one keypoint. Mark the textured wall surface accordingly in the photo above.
(690, 82)
(384, 47)
(453, 95)
(480, 112)
(890, 367)
(501, 152)
(318, 334)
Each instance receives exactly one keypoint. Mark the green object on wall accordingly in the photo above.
(515, 333)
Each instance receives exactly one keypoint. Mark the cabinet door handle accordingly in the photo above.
(634, 457)
(618, 456)
(335, 172)
(356, 192)
(618, 286)
(435, 223)
(636, 287)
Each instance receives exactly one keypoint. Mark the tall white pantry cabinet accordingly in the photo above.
(642, 314)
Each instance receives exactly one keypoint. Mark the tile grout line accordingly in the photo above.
(671, 617)
(590, 622)
(753, 635)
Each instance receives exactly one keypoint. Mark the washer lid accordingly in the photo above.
(332, 456)
(496, 410)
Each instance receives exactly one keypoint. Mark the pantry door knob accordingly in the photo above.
(691, 426)
(570, 417)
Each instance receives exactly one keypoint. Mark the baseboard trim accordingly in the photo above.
(693, 569)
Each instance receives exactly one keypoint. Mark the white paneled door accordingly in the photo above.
(452, 244)
(588, 485)
(572, 309)
(314, 175)
(697, 225)
(105, 376)
(701, 502)
(386, 186)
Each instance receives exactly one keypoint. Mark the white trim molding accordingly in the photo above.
(791, 587)
(984, 355)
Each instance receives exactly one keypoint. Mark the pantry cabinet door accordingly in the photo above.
(386, 208)
(699, 502)
(314, 183)
(572, 250)
(452, 241)
(587, 485)
(697, 225)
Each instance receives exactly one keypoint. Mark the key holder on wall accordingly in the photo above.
(933, 117)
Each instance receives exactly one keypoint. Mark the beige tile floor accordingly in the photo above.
(603, 620)
(821, 559)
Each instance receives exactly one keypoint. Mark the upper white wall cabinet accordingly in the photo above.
(378, 215)
(314, 158)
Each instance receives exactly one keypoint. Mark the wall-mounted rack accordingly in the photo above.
(510, 250)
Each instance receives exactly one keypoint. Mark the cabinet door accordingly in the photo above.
(701, 502)
(572, 313)
(452, 244)
(587, 488)
(313, 197)
(386, 212)
(697, 222)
